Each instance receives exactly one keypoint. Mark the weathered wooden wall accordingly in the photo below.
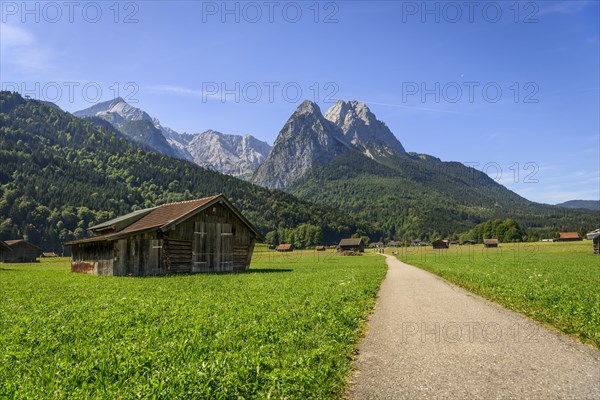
(219, 242)
(21, 252)
(139, 255)
(214, 240)
(93, 258)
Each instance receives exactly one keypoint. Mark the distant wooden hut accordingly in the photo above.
(49, 254)
(376, 244)
(4, 248)
(320, 248)
(352, 244)
(440, 244)
(568, 237)
(285, 247)
(490, 242)
(594, 236)
(468, 242)
(203, 235)
(19, 251)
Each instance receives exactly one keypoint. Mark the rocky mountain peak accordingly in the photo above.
(230, 154)
(306, 139)
(308, 107)
(133, 123)
(362, 128)
(115, 110)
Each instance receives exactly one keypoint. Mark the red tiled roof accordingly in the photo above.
(166, 214)
(569, 235)
(160, 217)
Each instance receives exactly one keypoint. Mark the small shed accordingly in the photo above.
(594, 236)
(49, 254)
(377, 245)
(285, 247)
(20, 251)
(568, 237)
(468, 242)
(490, 242)
(352, 244)
(203, 235)
(4, 248)
(320, 248)
(440, 244)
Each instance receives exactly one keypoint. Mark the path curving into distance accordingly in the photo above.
(429, 339)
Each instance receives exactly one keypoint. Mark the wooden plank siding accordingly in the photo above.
(214, 239)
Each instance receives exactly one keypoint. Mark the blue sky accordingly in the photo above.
(512, 88)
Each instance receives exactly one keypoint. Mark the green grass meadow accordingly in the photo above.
(557, 284)
(288, 328)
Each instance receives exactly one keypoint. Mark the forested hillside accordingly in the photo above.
(61, 174)
(412, 196)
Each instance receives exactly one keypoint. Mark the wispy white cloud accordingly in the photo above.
(12, 36)
(21, 49)
(562, 7)
(188, 92)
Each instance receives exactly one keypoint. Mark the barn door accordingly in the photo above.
(226, 247)
(178, 255)
(200, 258)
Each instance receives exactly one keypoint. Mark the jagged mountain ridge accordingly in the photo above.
(230, 154)
(134, 123)
(310, 139)
(363, 130)
(368, 173)
(307, 139)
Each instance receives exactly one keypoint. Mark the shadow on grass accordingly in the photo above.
(264, 270)
(174, 275)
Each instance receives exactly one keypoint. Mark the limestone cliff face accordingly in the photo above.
(134, 123)
(309, 138)
(363, 130)
(230, 154)
(306, 139)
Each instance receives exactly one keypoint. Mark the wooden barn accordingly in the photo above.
(568, 237)
(320, 248)
(352, 244)
(440, 244)
(285, 247)
(469, 242)
(204, 235)
(490, 242)
(595, 238)
(19, 250)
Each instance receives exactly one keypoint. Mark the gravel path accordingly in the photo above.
(428, 339)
